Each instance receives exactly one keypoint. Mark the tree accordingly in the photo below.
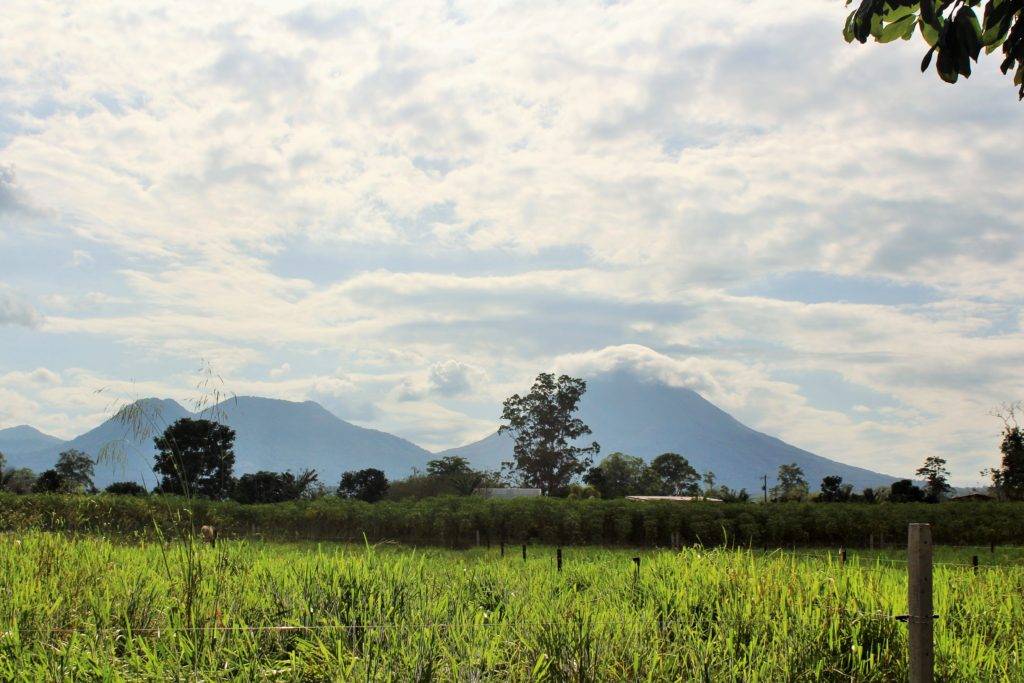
(792, 484)
(1008, 478)
(126, 488)
(455, 473)
(675, 475)
(272, 487)
(952, 31)
(709, 483)
(905, 491)
(75, 469)
(196, 458)
(368, 485)
(618, 475)
(544, 430)
(20, 480)
(49, 482)
(833, 490)
(936, 477)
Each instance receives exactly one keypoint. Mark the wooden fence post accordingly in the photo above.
(636, 561)
(842, 557)
(974, 563)
(558, 558)
(524, 552)
(919, 601)
(503, 548)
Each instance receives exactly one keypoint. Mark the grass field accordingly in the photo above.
(89, 608)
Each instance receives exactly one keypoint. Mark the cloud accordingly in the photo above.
(324, 22)
(646, 363)
(361, 191)
(14, 310)
(12, 198)
(452, 378)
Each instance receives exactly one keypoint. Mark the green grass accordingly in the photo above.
(91, 608)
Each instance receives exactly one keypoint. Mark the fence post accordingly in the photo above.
(558, 558)
(503, 548)
(524, 552)
(842, 557)
(919, 601)
(974, 563)
(636, 561)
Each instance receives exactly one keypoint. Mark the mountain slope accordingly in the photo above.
(25, 439)
(278, 435)
(125, 447)
(646, 419)
(270, 435)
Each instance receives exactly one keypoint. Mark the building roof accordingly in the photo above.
(973, 496)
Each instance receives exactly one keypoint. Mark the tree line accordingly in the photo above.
(195, 458)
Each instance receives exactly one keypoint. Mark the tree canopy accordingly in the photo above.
(272, 487)
(675, 475)
(791, 483)
(75, 470)
(952, 30)
(545, 430)
(196, 457)
(936, 477)
(1008, 478)
(368, 485)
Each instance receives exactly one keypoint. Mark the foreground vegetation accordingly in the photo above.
(455, 521)
(91, 608)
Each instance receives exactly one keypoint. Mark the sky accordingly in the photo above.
(405, 211)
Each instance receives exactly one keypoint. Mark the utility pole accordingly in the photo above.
(764, 486)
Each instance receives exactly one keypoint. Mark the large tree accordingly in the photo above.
(545, 431)
(936, 477)
(791, 483)
(675, 475)
(833, 490)
(368, 485)
(952, 30)
(1008, 478)
(619, 475)
(196, 458)
(75, 469)
(454, 473)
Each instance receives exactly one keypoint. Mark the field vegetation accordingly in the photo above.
(93, 608)
(456, 521)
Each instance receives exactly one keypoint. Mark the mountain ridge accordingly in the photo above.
(647, 418)
(628, 414)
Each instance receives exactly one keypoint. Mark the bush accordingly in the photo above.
(125, 488)
(454, 520)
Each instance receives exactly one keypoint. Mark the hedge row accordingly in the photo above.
(455, 521)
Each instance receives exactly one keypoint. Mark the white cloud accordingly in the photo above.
(14, 310)
(452, 378)
(360, 190)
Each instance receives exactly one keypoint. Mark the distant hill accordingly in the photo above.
(646, 418)
(271, 435)
(626, 413)
(25, 439)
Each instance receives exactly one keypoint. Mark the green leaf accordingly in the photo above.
(896, 29)
(931, 36)
(848, 34)
(898, 13)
